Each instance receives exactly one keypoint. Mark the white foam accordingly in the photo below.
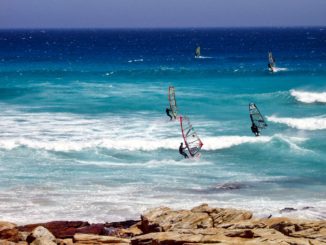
(70, 132)
(308, 123)
(309, 97)
(277, 69)
(222, 142)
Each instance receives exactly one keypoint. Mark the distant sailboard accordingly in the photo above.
(190, 137)
(173, 102)
(256, 117)
(197, 52)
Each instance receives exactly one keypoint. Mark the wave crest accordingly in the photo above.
(308, 123)
(308, 97)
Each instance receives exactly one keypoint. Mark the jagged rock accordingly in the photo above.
(164, 219)
(96, 239)
(42, 235)
(164, 226)
(10, 235)
(60, 229)
(240, 233)
(227, 215)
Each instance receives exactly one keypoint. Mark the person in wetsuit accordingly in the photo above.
(255, 129)
(168, 110)
(182, 150)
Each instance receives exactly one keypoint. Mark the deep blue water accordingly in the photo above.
(84, 135)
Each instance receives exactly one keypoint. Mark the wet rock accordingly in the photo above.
(287, 210)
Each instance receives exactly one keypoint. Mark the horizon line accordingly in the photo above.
(162, 28)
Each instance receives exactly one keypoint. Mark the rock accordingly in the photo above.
(4, 242)
(240, 233)
(6, 225)
(67, 241)
(42, 235)
(10, 235)
(287, 210)
(96, 239)
(60, 229)
(227, 215)
(43, 241)
(131, 232)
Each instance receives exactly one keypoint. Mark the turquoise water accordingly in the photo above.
(84, 135)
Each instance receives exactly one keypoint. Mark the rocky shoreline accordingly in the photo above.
(165, 226)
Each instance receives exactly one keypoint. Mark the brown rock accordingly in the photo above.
(60, 229)
(67, 241)
(6, 225)
(96, 239)
(165, 219)
(240, 233)
(228, 215)
(10, 235)
(43, 241)
(4, 242)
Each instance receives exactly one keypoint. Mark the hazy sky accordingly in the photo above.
(160, 13)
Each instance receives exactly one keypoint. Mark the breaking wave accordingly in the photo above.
(308, 123)
(309, 97)
(136, 144)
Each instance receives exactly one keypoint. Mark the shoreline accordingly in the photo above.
(200, 225)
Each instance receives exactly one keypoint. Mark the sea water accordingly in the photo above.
(84, 134)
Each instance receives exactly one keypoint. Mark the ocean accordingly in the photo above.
(84, 134)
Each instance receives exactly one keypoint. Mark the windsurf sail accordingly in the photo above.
(173, 102)
(271, 59)
(190, 137)
(256, 117)
(197, 53)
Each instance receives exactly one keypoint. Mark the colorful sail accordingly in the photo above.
(256, 117)
(190, 137)
(173, 102)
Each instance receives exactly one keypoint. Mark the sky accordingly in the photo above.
(160, 13)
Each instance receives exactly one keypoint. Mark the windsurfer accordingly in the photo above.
(182, 150)
(255, 129)
(168, 110)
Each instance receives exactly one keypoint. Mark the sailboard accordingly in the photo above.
(173, 102)
(271, 61)
(197, 52)
(190, 137)
(256, 117)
